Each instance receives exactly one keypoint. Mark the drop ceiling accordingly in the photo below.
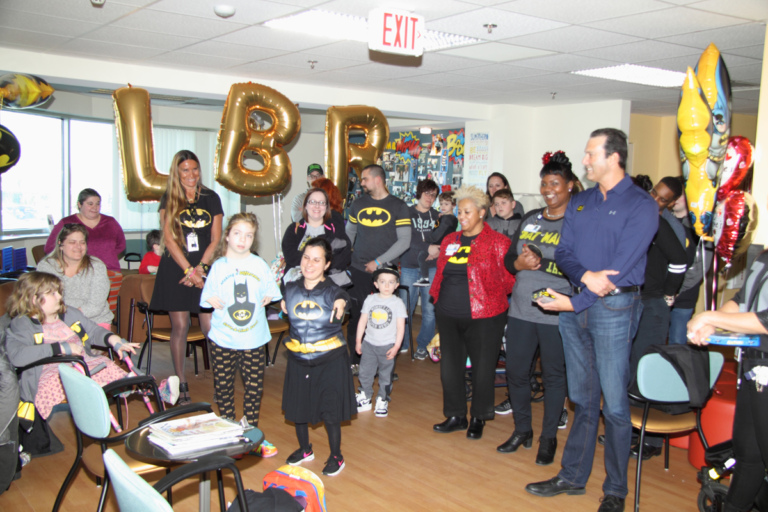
(525, 60)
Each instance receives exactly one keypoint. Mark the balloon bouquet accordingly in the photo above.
(714, 165)
(18, 91)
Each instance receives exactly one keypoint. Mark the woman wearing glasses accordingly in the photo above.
(317, 221)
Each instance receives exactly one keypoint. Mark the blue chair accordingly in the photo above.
(134, 494)
(90, 413)
(659, 383)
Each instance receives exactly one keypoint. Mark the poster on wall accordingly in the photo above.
(478, 158)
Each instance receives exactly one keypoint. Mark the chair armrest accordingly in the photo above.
(113, 387)
(56, 360)
(176, 411)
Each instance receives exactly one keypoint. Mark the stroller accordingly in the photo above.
(720, 463)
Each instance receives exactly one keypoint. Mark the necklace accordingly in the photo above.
(549, 215)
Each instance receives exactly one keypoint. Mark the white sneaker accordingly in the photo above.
(422, 282)
(382, 407)
(363, 402)
(169, 389)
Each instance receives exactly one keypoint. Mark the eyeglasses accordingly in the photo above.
(316, 203)
(315, 176)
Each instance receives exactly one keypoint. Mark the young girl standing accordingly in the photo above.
(238, 287)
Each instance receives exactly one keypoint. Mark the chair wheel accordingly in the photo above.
(711, 497)
(537, 387)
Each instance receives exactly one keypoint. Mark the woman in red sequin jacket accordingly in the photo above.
(470, 292)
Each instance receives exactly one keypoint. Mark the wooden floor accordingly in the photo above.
(392, 463)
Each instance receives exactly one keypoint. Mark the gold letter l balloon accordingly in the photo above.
(133, 118)
(237, 136)
(340, 154)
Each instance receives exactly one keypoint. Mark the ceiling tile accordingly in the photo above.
(342, 78)
(682, 63)
(496, 52)
(427, 8)
(386, 71)
(444, 79)
(582, 11)
(196, 61)
(81, 11)
(247, 12)
(219, 48)
(141, 38)
(30, 40)
(109, 51)
(176, 24)
(751, 74)
(640, 51)
(555, 80)
(571, 39)
(344, 49)
(755, 52)
(301, 60)
(440, 61)
(52, 25)
(750, 9)
(667, 22)
(499, 72)
(508, 24)
(274, 71)
(724, 38)
(273, 38)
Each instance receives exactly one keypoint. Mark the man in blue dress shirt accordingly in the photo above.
(606, 234)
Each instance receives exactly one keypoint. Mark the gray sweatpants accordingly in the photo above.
(374, 359)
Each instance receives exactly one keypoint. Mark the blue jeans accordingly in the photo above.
(409, 276)
(597, 344)
(678, 325)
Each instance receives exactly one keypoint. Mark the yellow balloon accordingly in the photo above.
(237, 135)
(340, 154)
(133, 118)
(19, 91)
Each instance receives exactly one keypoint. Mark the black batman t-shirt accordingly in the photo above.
(454, 290)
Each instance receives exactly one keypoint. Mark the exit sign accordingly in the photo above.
(396, 31)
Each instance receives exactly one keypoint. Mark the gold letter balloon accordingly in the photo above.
(133, 118)
(704, 119)
(340, 154)
(238, 135)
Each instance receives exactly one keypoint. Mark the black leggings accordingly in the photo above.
(750, 444)
(334, 436)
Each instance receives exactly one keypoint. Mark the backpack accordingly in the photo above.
(301, 483)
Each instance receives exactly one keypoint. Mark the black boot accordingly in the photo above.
(475, 430)
(547, 449)
(514, 442)
(452, 424)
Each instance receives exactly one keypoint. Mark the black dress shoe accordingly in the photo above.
(514, 442)
(648, 451)
(475, 430)
(547, 449)
(452, 424)
(611, 503)
(553, 487)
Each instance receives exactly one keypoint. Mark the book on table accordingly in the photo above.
(195, 433)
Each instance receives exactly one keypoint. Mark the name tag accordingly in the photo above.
(451, 249)
(532, 228)
(192, 244)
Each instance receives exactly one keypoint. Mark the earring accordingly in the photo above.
(569, 190)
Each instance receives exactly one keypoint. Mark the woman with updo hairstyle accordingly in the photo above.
(106, 237)
(531, 259)
(84, 277)
(470, 292)
(191, 222)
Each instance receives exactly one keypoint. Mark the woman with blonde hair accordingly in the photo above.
(470, 292)
(191, 222)
(84, 277)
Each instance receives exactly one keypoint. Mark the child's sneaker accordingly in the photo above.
(381, 407)
(301, 455)
(266, 450)
(363, 402)
(169, 389)
(333, 465)
(424, 281)
(421, 354)
(563, 423)
(504, 407)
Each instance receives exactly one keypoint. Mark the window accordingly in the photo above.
(61, 157)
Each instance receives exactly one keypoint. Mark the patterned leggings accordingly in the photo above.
(251, 363)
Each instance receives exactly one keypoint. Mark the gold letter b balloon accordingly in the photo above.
(237, 136)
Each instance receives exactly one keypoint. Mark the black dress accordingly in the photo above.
(168, 294)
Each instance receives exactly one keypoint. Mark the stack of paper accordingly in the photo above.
(195, 434)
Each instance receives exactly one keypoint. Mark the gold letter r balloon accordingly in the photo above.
(237, 136)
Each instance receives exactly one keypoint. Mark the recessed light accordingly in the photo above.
(634, 74)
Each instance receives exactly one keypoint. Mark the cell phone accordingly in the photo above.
(542, 294)
(336, 320)
(535, 250)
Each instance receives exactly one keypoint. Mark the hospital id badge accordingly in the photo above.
(451, 249)
(532, 228)
(192, 244)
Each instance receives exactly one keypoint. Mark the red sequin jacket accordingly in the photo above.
(489, 281)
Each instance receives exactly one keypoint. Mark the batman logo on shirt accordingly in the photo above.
(242, 310)
(308, 310)
(241, 315)
(461, 256)
(380, 316)
(373, 217)
(199, 220)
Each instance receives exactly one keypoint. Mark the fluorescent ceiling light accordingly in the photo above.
(637, 75)
(355, 28)
(425, 130)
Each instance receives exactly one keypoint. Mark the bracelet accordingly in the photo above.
(203, 266)
(188, 270)
(117, 345)
(377, 262)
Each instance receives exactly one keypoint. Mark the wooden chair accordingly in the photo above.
(38, 253)
(195, 336)
(277, 326)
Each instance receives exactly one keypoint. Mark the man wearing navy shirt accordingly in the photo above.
(606, 234)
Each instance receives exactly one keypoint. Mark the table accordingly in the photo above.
(139, 446)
